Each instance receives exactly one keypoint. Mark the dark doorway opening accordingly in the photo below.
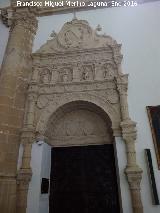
(83, 180)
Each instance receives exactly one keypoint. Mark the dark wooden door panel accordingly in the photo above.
(83, 180)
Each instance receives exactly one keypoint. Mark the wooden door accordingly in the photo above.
(83, 180)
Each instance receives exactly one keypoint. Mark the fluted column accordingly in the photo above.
(15, 71)
(129, 133)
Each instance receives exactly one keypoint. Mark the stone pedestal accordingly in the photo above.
(15, 71)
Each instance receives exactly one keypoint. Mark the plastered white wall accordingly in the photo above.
(35, 184)
(138, 29)
(45, 173)
(41, 164)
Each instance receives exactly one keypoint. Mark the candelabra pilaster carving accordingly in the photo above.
(129, 134)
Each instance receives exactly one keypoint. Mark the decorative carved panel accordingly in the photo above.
(78, 63)
(79, 127)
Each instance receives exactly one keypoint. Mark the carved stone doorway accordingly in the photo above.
(83, 174)
(79, 66)
(83, 180)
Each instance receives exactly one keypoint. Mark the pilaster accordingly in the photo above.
(129, 134)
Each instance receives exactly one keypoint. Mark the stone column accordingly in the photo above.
(132, 171)
(15, 71)
(27, 138)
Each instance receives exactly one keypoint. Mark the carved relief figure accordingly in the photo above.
(87, 72)
(45, 76)
(79, 123)
(108, 71)
(65, 75)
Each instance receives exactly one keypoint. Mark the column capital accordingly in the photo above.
(129, 131)
(25, 18)
(24, 176)
(122, 84)
(41, 137)
(27, 136)
(32, 91)
(117, 54)
(134, 176)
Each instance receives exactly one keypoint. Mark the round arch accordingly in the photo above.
(60, 102)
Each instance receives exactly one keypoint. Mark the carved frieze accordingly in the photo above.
(73, 72)
(74, 53)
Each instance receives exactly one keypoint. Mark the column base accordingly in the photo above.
(23, 179)
(134, 176)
